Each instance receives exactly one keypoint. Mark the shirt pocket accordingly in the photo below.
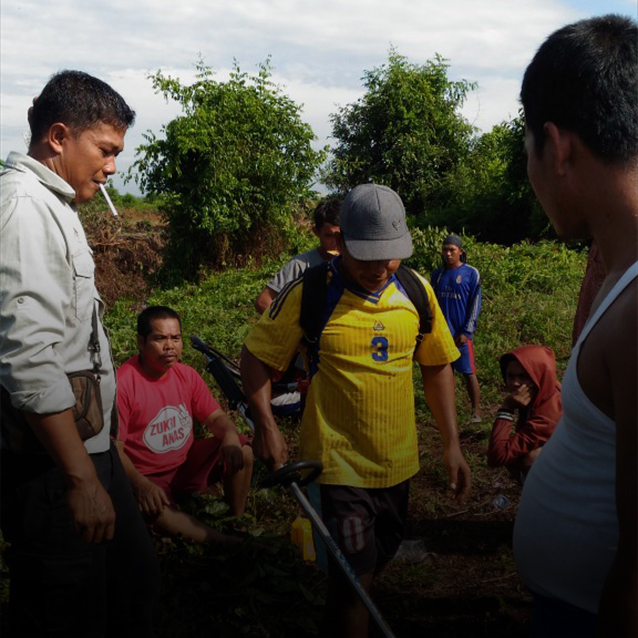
(83, 272)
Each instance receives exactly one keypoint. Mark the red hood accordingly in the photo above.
(540, 364)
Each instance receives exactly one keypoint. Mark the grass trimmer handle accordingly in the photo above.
(291, 473)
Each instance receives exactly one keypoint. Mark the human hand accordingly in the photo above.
(518, 399)
(92, 513)
(460, 339)
(232, 457)
(151, 498)
(269, 445)
(459, 474)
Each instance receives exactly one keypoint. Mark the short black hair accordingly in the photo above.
(584, 78)
(81, 102)
(455, 240)
(327, 212)
(148, 315)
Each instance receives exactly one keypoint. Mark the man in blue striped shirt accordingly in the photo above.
(458, 290)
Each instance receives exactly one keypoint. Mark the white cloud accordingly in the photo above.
(319, 49)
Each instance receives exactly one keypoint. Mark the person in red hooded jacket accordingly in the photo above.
(529, 373)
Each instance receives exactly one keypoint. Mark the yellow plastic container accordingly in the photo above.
(301, 535)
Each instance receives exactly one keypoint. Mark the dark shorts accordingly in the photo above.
(60, 585)
(465, 363)
(367, 524)
(202, 468)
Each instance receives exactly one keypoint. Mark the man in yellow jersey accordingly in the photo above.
(359, 418)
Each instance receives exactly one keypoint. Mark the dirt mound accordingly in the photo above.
(127, 253)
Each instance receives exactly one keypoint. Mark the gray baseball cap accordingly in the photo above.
(373, 224)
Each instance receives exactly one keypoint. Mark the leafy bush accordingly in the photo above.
(490, 195)
(529, 292)
(233, 169)
(405, 132)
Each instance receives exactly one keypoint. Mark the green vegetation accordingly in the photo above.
(235, 167)
(405, 132)
(232, 178)
(263, 588)
(529, 296)
(490, 195)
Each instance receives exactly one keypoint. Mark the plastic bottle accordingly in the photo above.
(500, 501)
(301, 535)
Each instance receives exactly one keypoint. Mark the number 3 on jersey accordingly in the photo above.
(380, 349)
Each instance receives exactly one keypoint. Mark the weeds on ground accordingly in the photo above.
(261, 588)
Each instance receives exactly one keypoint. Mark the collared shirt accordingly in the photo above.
(359, 417)
(47, 294)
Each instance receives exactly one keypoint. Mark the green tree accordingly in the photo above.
(232, 168)
(405, 132)
(491, 196)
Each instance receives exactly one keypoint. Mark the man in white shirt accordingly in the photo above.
(576, 533)
(81, 561)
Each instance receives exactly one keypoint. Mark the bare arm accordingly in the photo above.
(154, 502)
(618, 612)
(92, 513)
(438, 385)
(220, 425)
(151, 498)
(269, 444)
(265, 298)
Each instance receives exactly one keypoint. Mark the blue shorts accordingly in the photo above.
(465, 363)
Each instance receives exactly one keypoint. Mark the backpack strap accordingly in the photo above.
(315, 292)
(419, 297)
(313, 301)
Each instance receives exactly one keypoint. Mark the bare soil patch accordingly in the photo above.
(467, 586)
(127, 251)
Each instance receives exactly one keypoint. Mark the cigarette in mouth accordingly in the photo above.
(108, 200)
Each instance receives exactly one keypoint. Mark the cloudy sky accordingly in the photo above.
(319, 49)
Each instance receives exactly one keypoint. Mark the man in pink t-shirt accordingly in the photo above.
(158, 398)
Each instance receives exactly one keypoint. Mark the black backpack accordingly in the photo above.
(314, 295)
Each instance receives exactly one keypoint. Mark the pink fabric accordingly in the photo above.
(535, 424)
(203, 467)
(156, 416)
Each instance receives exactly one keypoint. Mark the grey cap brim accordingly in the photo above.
(380, 249)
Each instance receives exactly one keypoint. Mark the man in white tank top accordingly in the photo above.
(576, 533)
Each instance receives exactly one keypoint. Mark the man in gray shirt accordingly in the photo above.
(326, 220)
(81, 561)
